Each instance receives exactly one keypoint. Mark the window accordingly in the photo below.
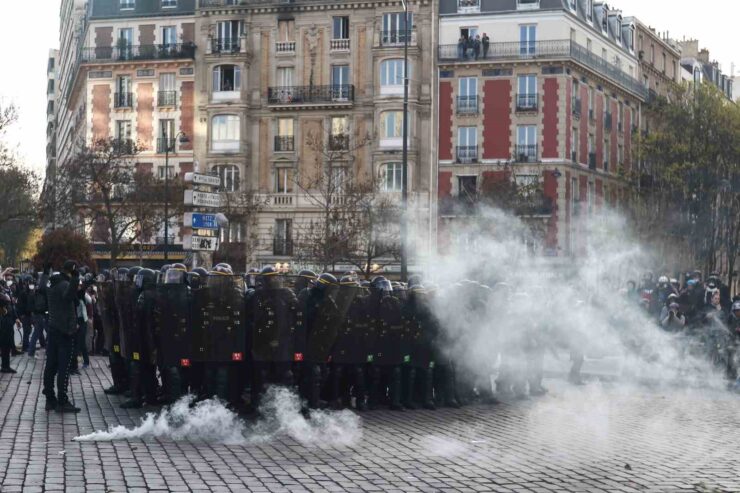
(166, 135)
(607, 151)
(123, 97)
(123, 130)
(663, 66)
(169, 3)
(576, 98)
(338, 178)
(233, 233)
(340, 75)
(395, 28)
(590, 9)
(574, 145)
(286, 30)
(169, 37)
(604, 54)
(572, 4)
(227, 36)
(527, 39)
(225, 133)
(590, 197)
(229, 175)
(652, 54)
(167, 93)
(284, 140)
(526, 142)
(127, 4)
(393, 177)
(620, 155)
(620, 118)
(527, 92)
(589, 45)
(467, 144)
(283, 237)
(125, 43)
(527, 4)
(467, 95)
(340, 27)
(226, 78)
(468, 32)
(391, 76)
(339, 134)
(285, 76)
(468, 5)
(161, 172)
(283, 180)
(391, 128)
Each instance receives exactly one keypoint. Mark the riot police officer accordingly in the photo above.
(420, 327)
(109, 318)
(273, 328)
(172, 331)
(141, 347)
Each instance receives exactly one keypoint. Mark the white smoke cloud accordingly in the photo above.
(210, 421)
(519, 298)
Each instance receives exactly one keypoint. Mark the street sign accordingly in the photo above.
(198, 179)
(197, 220)
(200, 243)
(202, 199)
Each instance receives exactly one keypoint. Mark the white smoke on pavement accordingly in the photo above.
(500, 299)
(211, 422)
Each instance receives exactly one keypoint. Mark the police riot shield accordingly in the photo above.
(275, 325)
(421, 329)
(109, 316)
(124, 291)
(173, 334)
(219, 325)
(389, 340)
(322, 324)
(353, 334)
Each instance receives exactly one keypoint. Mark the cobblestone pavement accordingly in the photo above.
(594, 438)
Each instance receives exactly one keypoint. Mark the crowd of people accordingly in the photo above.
(340, 342)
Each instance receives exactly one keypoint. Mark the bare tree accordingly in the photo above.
(241, 207)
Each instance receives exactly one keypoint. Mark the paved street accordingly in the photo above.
(595, 438)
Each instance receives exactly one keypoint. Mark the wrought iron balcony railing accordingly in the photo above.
(339, 142)
(553, 49)
(577, 108)
(167, 98)
(139, 52)
(467, 105)
(466, 154)
(296, 95)
(284, 143)
(525, 153)
(123, 100)
(395, 37)
(225, 45)
(526, 102)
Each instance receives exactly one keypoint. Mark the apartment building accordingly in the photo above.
(127, 73)
(542, 92)
(275, 78)
(51, 129)
(701, 68)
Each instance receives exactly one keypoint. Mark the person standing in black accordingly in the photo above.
(486, 42)
(6, 332)
(62, 301)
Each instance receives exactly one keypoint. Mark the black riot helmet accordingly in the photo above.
(325, 281)
(251, 277)
(132, 273)
(165, 268)
(304, 280)
(269, 278)
(348, 281)
(414, 281)
(225, 266)
(193, 279)
(382, 286)
(175, 276)
(200, 271)
(222, 270)
(145, 279)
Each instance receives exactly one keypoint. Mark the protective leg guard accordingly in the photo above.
(409, 378)
(427, 386)
(373, 401)
(359, 390)
(314, 388)
(135, 401)
(395, 388)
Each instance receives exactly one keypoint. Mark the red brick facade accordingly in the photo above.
(550, 109)
(497, 119)
(187, 113)
(445, 120)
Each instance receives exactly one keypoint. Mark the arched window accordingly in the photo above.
(225, 132)
(226, 78)
(229, 175)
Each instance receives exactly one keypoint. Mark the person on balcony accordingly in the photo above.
(486, 42)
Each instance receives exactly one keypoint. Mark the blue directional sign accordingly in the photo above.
(204, 221)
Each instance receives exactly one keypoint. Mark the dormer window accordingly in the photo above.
(527, 4)
(465, 6)
(572, 4)
(590, 9)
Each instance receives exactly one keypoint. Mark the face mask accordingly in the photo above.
(31, 287)
(9, 283)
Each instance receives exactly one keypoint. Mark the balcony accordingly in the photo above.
(397, 37)
(282, 247)
(468, 6)
(169, 51)
(165, 145)
(219, 3)
(166, 98)
(225, 46)
(285, 47)
(466, 154)
(293, 96)
(123, 146)
(527, 102)
(607, 121)
(282, 199)
(284, 143)
(525, 153)
(467, 105)
(123, 100)
(592, 160)
(339, 142)
(339, 45)
(577, 108)
(546, 51)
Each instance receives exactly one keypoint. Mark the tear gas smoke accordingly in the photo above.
(210, 421)
(498, 300)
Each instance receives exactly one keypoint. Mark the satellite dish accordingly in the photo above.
(222, 220)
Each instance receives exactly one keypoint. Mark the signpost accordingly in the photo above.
(198, 220)
(200, 243)
(203, 233)
(202, 199)
(198, 179)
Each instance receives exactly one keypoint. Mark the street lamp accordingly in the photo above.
(405, 154)
(167, 144)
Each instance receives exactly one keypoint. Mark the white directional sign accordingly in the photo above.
(202, 199)
(200, 243)
(198, 179)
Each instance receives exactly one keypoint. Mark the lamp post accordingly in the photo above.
(405, 151)
(183, 139)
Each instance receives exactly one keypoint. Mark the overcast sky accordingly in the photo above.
(24, 52)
